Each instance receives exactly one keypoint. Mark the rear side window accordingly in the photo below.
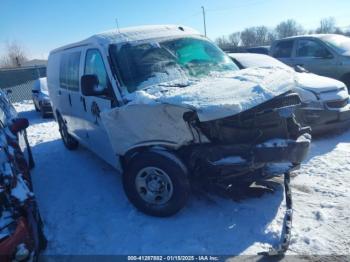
(283, 49)
(69, 71)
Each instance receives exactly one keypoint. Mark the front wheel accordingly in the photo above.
(70, 142)
(157, 183)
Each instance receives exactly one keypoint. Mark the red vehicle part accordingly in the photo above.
(22, 235)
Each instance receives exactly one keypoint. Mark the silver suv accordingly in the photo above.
(322, 54)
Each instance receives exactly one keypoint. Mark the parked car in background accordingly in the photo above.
(258, 50)
(167, 107)
(41, 99)
(325, 101)
(322, 54)
(21, 233)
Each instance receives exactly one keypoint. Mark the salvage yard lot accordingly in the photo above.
(85, 211)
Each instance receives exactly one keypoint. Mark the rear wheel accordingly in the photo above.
(70, 142)
(156, 183)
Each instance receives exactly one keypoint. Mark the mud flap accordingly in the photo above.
(287, 222)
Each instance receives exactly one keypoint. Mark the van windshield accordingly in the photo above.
(173, 62)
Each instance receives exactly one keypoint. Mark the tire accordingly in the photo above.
(70, 142)
(156, 183)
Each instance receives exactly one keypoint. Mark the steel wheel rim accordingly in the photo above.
(154, 185)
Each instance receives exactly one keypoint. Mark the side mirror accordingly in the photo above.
(35, 91)
(89, 84)
(18, 125)
(8, 91)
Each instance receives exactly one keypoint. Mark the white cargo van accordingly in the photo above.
(166, 107)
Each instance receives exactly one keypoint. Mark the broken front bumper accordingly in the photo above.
(237, 160)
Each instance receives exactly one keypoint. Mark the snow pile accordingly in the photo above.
(221, 96)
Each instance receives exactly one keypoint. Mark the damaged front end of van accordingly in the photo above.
(249, 146)
(255, 144)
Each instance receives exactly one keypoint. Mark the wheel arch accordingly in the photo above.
(167, 151)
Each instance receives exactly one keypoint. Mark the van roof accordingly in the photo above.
(133, 34)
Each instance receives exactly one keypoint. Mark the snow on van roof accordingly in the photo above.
(134, 34)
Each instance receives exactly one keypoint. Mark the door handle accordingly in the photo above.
(70, 100)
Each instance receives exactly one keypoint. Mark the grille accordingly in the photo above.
(338, 103)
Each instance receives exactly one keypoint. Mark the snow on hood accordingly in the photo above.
(317, 84)
(221, 95)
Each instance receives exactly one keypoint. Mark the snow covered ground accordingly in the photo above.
(86, 212)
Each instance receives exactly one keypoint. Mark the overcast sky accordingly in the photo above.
(41, 25)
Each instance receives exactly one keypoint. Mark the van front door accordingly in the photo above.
(93, 105)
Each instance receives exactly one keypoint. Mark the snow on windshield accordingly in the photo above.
(178, 61)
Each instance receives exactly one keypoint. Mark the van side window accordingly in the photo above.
(310, 48)
(94, 66)
(283, 49)
(69, 71)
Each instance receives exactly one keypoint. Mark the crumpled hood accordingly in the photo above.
(221, 95)
(317, 84)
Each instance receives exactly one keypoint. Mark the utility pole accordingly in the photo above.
(116, 21)
(205, 26)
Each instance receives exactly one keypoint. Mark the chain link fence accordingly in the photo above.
(18, 82)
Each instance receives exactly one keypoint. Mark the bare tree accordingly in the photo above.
(256, 36)
(271, 37)
(327, 26)
(235, 39)
(289, 28)
(262, 35)
(14, 55)
(222, 42)
(248, 37)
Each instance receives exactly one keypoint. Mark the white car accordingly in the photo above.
(325, 101)
(166, 106)
(41, 99)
